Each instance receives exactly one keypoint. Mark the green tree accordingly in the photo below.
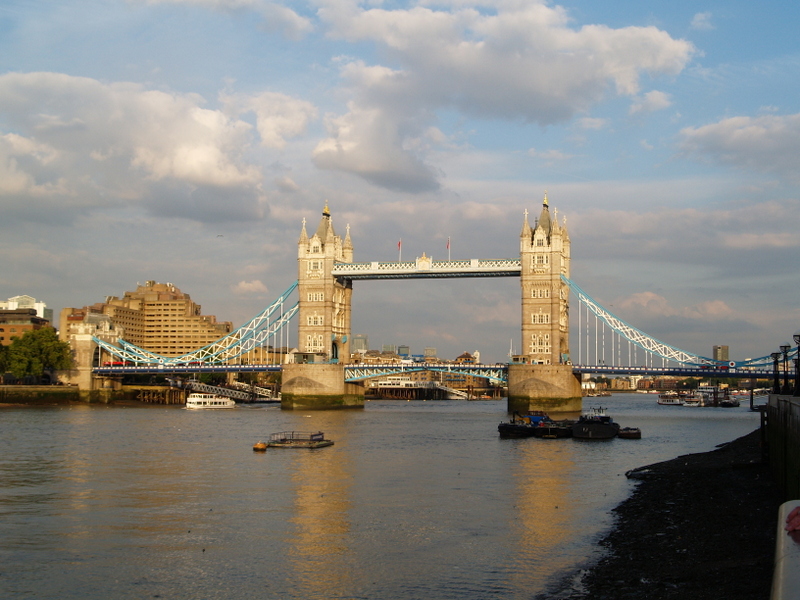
(38, 351)
(3, 359)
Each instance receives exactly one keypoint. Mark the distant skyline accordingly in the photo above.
(184, 141)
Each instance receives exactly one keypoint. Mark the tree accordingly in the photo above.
(38, 351)
(3, 359)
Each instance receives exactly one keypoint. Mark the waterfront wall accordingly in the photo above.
(551, 388)
(318, 386)
(65, 394)
(783, 439)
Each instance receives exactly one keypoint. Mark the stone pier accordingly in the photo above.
(318, 386)
(551, 388)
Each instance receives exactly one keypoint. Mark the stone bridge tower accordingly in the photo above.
(545, 255)
(324, 315)
(542, 378)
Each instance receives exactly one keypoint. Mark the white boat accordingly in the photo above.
(670, 399)
(199, 400)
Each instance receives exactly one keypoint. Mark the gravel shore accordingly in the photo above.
(700, 526)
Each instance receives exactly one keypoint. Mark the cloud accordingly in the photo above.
(277, 17)
(650, 304)
(249, 287)
(592, 123)
(702, 22)
(549, 155)
(369, 143)
(75, 142)
(650, 102)
(278, 116)
(525, 61)
(768, 143)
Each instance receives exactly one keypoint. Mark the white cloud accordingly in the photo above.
(249, 287)
(81, 142)
(650, 102)
(768, 143)
(277, 17)
(702, 21)
(278, 116)
(549, 155)
(592, 123)
(523, 61)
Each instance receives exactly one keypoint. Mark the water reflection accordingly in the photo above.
(318, 542)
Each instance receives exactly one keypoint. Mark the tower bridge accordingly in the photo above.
(544, 375)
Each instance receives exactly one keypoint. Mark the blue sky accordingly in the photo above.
(185, 141)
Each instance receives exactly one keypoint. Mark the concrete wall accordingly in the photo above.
(551, 388)
(318, 386)
(783, 440)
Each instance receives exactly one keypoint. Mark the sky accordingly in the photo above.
(184, 141)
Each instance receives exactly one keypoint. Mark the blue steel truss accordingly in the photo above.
(247, 337)
(655, 346)
(495, 373)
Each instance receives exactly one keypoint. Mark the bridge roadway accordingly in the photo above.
(497, 373)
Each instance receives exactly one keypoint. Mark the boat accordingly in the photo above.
(199, 400)
(294, 439)
(550, 429)
(670, 399)
(595, 425)
(630, 433)
(693, 400)
(521, 426)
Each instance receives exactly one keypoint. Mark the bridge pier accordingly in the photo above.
(551, 388)
(318, 386)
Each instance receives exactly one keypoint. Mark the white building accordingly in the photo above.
(18, 302)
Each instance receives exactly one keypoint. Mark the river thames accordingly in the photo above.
(416, 500)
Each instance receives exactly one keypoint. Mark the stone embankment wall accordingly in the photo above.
(783, 438)
(64, 394)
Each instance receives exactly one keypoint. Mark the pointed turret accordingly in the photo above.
(526, 228)
(303, 234)
(544, 218)
(348, 246)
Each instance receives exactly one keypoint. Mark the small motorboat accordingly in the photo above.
(595, 425)
(630, 433)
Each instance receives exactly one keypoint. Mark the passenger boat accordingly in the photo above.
(294, 439)
(521, 426)
(630, 433)
(595, 425)
(198, 400)
(670, 399)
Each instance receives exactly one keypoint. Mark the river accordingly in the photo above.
(416, 500)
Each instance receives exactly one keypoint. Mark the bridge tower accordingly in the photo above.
(324, 315)
(317, 381)
(544, 256)
(542, 378)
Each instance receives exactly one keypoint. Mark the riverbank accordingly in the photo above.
(700, 526)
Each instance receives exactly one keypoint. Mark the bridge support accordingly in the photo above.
(318, 386)
(551, 388)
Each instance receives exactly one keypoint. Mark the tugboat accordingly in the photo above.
(595, 425)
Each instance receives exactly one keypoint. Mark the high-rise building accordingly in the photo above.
(157, 317)
(429, 352)
(545, 257)
(360, 344)
(720, 353)
(403, 350)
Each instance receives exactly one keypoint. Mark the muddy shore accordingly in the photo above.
(699, 527)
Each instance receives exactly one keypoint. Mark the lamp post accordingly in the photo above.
(785, 351)
(796, 337)
(776, 382)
